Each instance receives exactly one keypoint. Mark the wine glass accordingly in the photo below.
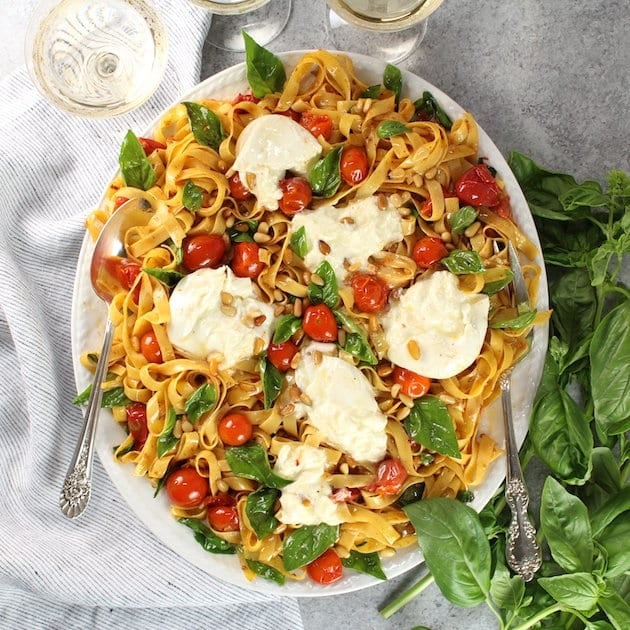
(263, 20)
(96, 58)
(388, 29)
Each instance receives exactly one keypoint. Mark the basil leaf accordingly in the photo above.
(251, 461)
(609, 511)
(455, 548)
(506, 590)
(192, 196)
(614, 540)
(430, 424)
(328, 293)
(243, 235)
(325, 176)
(523, 320)
(358, 346)
(369, 563)
(287, 326)
(578, 591)
(462, 218)
(494, 286)
(259, 508)
(616, 607)
(272, 380)
(371, 92)
(205, 125)
(427, 108)
(587, 194)
(114, 397)
(388, 128)
(207, 538)
(265, 571)
(392, 80)
(135, 167)
(201, 401)
(462, 261)
(298, 242)
(465, 496)
(166, 441)
(170, 277)
(160, 484)
(307, 543)
(410, 495)
(265, 72)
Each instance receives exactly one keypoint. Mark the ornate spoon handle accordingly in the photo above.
(77, 486)
(522, 550)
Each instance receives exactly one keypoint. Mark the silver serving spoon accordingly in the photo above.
(76, 490)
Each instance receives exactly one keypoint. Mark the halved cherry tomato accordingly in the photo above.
(137, 423)
(235, 429)
(281, 354)
(428, 251)
(326, 569)
(186, 488)
(390, 477)
(245, 98)
(370, 292)
(411, 384)
(125, 271)
(319, 323)
(477, 187)
(296, 195)
(223, 518)
(353, 165)
(219, 499)
(149, 145)
(150, 347)
(245, 260)
(343, 495)
(317, 124)
(203, 250)
(119, 202)
(238, 189)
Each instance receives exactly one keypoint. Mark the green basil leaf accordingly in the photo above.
(192, 196)
(462, 218)
(465, 496)
(259, 508)
(200, 402)
(427, 108)
(286, 327)
(160, 484)
(455, 548)
(358, 346)
(371, 92)
(369, 563)
(170, 277)
(614, 539)
(328, 293)
(272, 380)
(388, 128)
(325, 176)
(114, 397)
(207, 538)
(430, 424)
(588, 194)
(494, 286)
(392, 80)
(299, 243)
(461, 261)
(265, 72)
(265, 571)
(166, 441)
(243, 231)
(577, 590)
(507, 591)
(205, 125)
(616, 608)
(523, 320)
(136, 169)
(307, 543)
(607, 513)
(251, 461)
(410, 495)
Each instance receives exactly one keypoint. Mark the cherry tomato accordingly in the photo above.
(150, 347)
(504, 209)
(317, 124)
(149, 145)
(137, 423)
(223, 518)
(411, 384)
(290, 113)
(219, 499)
(390, 477)
(238, 189)
(245, 98)
(353, 165)
(235, 429)
(125, 271)
(428, 251)
(326, 569)
(119, 202)
(370, 292)
(477, 187)
(203, 250)
(343, 495)
(281, 354)
(426, 210)
(296, 195)
(319, 323)
(186, 487)
(245, 261)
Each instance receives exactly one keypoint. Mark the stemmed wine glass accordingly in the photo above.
(96, 58)
(263, 20)
(387, 29)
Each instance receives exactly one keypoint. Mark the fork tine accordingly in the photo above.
(520, 288)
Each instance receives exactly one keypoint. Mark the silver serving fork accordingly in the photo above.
(522, 550)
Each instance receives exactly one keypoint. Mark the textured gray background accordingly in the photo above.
(550, 79)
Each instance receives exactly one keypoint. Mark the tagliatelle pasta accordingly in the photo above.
(173, 401)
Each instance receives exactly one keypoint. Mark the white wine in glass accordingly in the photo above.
(96, 58)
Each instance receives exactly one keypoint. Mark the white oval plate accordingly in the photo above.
(88, 323)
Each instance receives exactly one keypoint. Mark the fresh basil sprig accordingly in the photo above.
(259, 508)
(431, 425)
(307, 543)
(205, 125)
(200, 402)
(265, 72)
(192, 196)
(207, 538)
(272, 380)
(136, 169)
(463, 261)
(369, 563)
(328, 293)
(166, 441)
(251, 461)
(325, 176)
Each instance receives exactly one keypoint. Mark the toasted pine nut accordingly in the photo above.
(306, 399)
(446, 237)
(341, 337)
(259, 237)
(384, 370)
(260, 320)
(395, 390)
(405, 400)
(230, 221)
(177, 429)
(226, 298)
(278, 296)
(294, 392)
(228, 310)
(287, 257)
(187, 426)
(344, 469)
(317, 279)
(287, 410)
(373, 323)
(295, 361)
(382, 202)
(263, 227)
(317, 357)
(324, 247)
(413, 349)
(402, 413)
(259, 345)
(347, 220)
(297, 308)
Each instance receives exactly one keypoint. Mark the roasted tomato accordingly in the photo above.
(411, 384)
(353, 165)
(477, 187)
(245, 260)
(186, 487)
(281, 354)
(319, 323)
(326, 569)
(235, 429)
(203, 250)
(428, 251)
(370, 292)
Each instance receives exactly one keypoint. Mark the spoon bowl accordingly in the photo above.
(76, 490)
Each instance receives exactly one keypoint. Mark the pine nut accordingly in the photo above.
(259, 237)
(317, 279)
(226, 298)
(287, 410)
(297, 308)
(402, 413)
(260, 320)
(324, 247)
(385, 370)
(306, 399)
(187, 426)
(382, 202)
(295, 361)
(228, 310)
(294, 392)
(395, 390)
(278, 296)
(347, 220)
(317, 357)
(414, 349)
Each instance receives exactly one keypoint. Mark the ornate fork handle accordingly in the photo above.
(522, 551)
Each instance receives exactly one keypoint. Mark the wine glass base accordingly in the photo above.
(262, 25)
(392, 46)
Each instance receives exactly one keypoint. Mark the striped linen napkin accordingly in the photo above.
(104, 570)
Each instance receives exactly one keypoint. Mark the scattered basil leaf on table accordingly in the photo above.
(251, 461)
(265, 72)
(325, 176)
(207, 538)
(259, 508)
(192, 196)
(200, 402)
(307, 543)
(205, 125)
(430, 424)
(136, 169)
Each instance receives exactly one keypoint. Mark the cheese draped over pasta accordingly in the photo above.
(411, 173)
